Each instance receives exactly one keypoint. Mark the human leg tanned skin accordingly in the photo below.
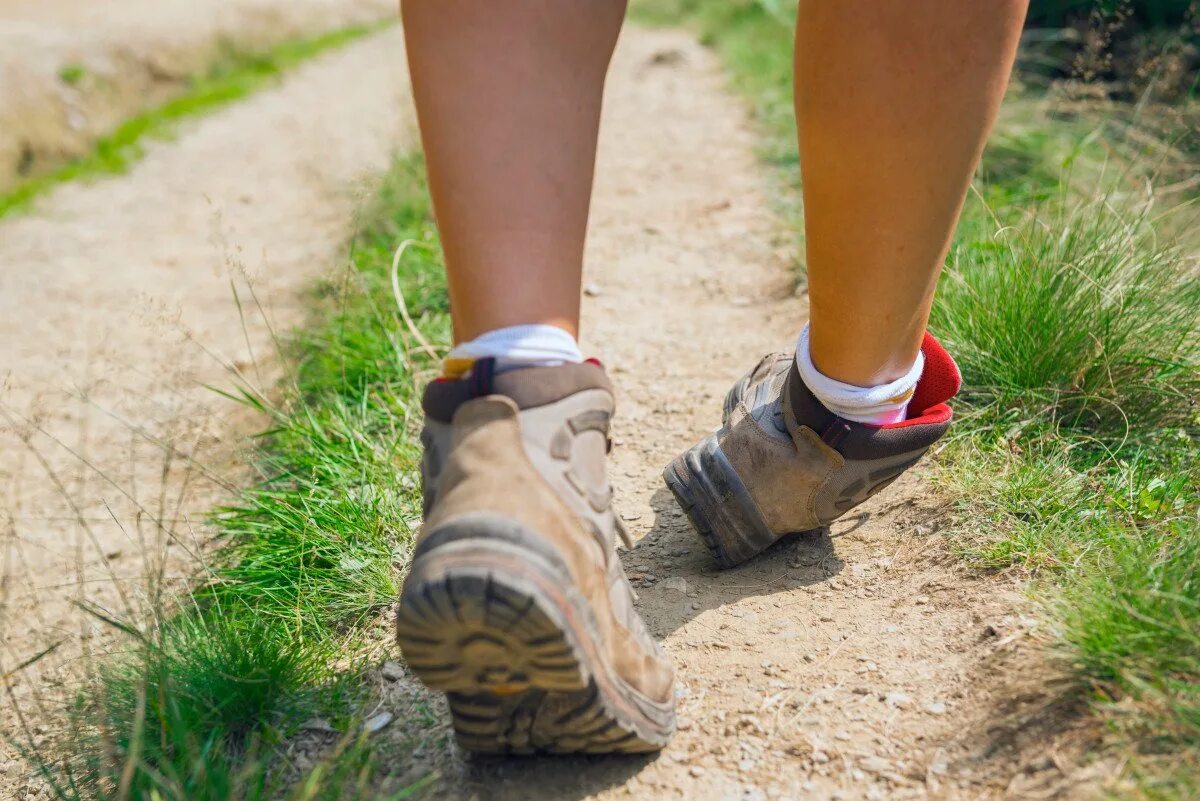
(893, 103)
(508, 96)
(515, 605)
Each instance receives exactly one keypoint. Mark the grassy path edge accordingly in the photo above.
(206, 692)
(235, 76)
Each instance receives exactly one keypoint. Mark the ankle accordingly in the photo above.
(513, 347)
(883, 403)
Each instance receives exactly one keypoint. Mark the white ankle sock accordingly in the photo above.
(534, 345)
(881, 405)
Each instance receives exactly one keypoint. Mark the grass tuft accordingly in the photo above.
(186, 714)
(72, 74)
(1134, 627)
(227, 674)
(1075, 315)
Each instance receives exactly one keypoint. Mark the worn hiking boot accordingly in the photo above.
(781, 462)
(516, 605)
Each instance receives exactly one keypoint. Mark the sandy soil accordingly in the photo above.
(132, 53)
(861, 663)
(117, 308)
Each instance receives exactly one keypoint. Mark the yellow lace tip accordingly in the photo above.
(455, 367)
(902, 397)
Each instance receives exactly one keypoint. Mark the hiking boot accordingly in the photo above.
(516, 604)
(783, 463)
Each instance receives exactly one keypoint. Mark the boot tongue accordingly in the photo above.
(801, 408)
(528, 388)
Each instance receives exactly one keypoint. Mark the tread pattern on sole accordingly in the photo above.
(516, 680)
(678, 486)
(718, 504)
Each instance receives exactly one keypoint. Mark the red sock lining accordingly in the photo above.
(940, 381)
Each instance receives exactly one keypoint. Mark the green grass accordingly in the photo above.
(237, 75)
(1074, 313)
(199, 701)
(1133, 631)
(316, 545)
(72, 74)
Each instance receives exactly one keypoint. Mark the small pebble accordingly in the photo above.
(377, 722)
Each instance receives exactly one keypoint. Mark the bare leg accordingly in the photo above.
(508, 95)
(893, 102)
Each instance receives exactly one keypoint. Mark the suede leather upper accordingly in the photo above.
(543, 466)
(802, 465)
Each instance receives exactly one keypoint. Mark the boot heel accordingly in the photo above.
(495, 624)
(717, 503)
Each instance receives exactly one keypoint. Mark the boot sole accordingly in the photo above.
(718, 504)
(490, 616)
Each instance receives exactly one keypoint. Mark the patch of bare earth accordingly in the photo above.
(860, 663)
(117, 313)
(72, 69)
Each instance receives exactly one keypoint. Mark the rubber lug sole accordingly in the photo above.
(717, 503)
(512, 643)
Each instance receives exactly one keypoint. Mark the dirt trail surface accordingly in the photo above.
(71, 69)
(116, 309)
(858, 664)
(851, 665)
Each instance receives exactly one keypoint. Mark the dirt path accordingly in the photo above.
(116, 309)
(846, 666)
(862, 664)
(72, 69)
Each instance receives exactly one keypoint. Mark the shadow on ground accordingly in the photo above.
(677, 579)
